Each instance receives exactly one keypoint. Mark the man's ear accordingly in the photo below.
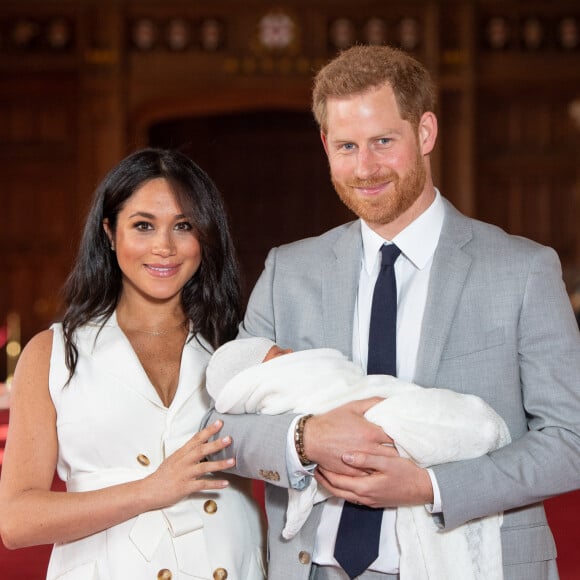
(427, 132)
(324, 141)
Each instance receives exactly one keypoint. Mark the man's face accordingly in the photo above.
(376, 158)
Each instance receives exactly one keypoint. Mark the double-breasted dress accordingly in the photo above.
(113, 428)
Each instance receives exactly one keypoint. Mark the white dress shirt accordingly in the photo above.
(417, 243)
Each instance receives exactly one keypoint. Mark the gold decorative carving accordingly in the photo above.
(277, 32)
(102, 56)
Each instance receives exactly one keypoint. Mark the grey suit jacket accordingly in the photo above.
(498, 323)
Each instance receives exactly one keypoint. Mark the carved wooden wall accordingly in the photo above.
(83, 82)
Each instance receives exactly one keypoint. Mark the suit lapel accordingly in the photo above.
(340, 278)
(448, 274)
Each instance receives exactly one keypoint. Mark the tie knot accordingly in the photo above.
(390, 254)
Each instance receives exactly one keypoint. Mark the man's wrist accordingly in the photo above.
(299, 439)
(435, 506)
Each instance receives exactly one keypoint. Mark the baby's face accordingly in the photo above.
(275, 352)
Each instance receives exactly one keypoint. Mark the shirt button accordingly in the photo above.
(164, 574)
(220, 574)
(304, 557)
(210, 506)
(143, 459)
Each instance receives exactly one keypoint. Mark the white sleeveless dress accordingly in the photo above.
(113, 428)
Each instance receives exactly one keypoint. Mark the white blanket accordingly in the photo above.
(430, 426)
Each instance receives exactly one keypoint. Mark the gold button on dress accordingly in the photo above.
(143, 459)
(210, 506)
(220, 574)
(164, 574)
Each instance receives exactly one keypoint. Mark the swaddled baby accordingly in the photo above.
(428, 425)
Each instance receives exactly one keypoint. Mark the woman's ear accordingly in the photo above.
(109, 232)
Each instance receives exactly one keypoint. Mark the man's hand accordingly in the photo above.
(390, 481)
(327, 437)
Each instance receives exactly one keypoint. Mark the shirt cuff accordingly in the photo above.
(435, 507)
(298, 475)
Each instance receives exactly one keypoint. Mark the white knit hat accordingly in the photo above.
(232, 358)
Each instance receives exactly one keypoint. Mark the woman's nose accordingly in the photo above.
(164, 245)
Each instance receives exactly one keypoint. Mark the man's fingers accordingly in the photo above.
(363, 405)
(337, 480)
(342, 486)
(368, 461)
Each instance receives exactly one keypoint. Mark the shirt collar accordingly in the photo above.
(417, 241)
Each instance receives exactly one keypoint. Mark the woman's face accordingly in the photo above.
(155, 243)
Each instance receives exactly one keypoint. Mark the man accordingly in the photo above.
(478, 311)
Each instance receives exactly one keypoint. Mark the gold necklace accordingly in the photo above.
(163, 332)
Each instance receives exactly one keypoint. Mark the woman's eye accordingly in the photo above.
(142, 226)
(183, 226)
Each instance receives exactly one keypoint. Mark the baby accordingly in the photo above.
(428, 425)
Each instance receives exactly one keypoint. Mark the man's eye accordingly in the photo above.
(348, 146)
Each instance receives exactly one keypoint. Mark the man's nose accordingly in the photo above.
(366, 163)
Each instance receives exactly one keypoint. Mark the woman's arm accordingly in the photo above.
(31, 514)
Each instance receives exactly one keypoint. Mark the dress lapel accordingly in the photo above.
(111, 351)
(448, 274)
(194, 359)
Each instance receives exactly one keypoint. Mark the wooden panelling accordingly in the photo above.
(83, 82)
(276, 188)
(528, 167)
(38, 173)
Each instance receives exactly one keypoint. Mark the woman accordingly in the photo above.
(111, 397)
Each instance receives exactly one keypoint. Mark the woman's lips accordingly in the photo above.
(160, 271)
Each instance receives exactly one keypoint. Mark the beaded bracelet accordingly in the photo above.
(299, 439)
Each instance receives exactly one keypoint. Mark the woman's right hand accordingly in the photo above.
(184, 471)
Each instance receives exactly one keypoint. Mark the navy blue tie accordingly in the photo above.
(359, 530)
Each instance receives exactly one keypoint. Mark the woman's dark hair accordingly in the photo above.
(211, 299)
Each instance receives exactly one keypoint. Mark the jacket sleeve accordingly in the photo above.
(543, 348)
(259, 441)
